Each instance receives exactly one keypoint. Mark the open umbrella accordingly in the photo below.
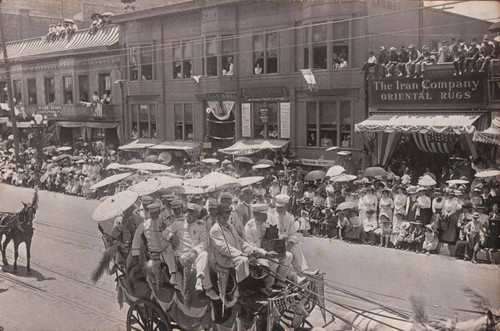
(49, 149)
(342, 178)
(110, 180)
(133, 161)
(335, 171)
(69, 20)
(114, 166)
(347, 205)
(426, 180)
(488, 173)
(165, 157)
(214, 178)
(261, 166)
(457, 181)
(374, 171)
(169, 182)
(114, 206)
(245, 181)
(61, 157)
(188, 190)
(151, 158)
(10, 137)
(495, 27)
(266, 161)
(314, 175)
(64, 149)
(244, 159)
(210, 161)
(108, 13)
(146, 187)
(149, 166)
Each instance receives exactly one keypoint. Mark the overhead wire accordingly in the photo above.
(127, 66)
(230, 37)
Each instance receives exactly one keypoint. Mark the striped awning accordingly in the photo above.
(80, 40)
(490, 135)
(419, 123)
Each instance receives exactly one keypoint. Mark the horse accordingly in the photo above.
(383, 319)
(19, 227)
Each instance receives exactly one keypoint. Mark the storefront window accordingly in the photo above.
(32, 99)
(68, 89)
(143, 121)
(133, 62)
(50, 91)
(319, 45)
(183, 118)
(265, 129)
(312, 131)
(18, 96)
(83, 86)
(329, 123)
(211, 56)
(345, 123)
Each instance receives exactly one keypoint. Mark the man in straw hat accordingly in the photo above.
(475, 233)
(188, 237)
(151, 229)
(288, 231)
(255, 230)
(230, 249)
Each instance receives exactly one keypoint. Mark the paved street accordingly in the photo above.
(67, 246)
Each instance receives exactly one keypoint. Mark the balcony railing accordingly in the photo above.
(79, 111)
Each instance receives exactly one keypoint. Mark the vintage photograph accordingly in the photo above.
(249, 165)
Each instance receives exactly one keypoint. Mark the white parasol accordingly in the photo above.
(169, 182)
(457, 181)
(115, 166)
(114, 206)
(146, 187)
(245, 181)
(343, 178)
(261, 166)
(488, 173)
(210, 161)
(63, 149)
(149, 166)
(110, 180)
(426, 180)
(165, 157)
(189, 190)
(215, 179)
(335, 171)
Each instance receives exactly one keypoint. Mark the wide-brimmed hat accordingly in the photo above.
(405, 225)
(486, 38)
(153, 207)
(194, 207)
(282, 200)
(392, 49)
(260, 208)
(411, 47)
(411, 190)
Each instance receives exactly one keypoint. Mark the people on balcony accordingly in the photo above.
(486, 53)
(97, 23)
(70, 28)
(51, 35)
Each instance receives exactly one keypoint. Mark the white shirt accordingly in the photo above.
(192, 236)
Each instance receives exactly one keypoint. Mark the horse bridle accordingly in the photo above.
(26, 216)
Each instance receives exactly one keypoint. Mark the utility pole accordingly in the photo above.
(9, 87)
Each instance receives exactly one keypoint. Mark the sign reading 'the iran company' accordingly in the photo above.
(467, 90)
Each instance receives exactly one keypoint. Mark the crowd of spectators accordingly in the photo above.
(466, 57)
(391, 210)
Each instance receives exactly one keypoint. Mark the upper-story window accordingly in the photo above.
(183, 63)
(83, 86)
(265, 58)
(227, 48)
(210, 56)
(50, 90)
(3, 92)
(140, 61)
(68, 89)
(323, 45)
(329, 123)
(32, 99)
(183, 119)
(18, 92)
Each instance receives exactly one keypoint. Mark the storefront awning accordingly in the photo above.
(71, 124)
(490, 135)
(248, 147)
(101, 125)
(419, 123)
(141, 143)
(176, 146)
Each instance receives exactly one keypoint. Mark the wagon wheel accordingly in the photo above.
(145, 315)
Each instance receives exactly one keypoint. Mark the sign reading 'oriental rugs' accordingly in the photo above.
(435, 90)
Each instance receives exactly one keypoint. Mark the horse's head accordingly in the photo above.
(27, 214)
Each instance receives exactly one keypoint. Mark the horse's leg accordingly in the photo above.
(28, 251)
(4, 249)
(16, 254)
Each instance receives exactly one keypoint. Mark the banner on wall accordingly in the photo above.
(285, 120)
(246, 116)
(221, 110)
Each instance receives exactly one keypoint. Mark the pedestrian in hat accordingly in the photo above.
(404, 232)
(486, 53)
(411, 204)
(386, 229)
(424, 205)
(475, 234)
(392, 63)
(382, 60)
(370, 224)
(403, 58)
(151, 230)
(386, 204)
(417, 237)
(471, 57)
(443, 52)
(413, 56)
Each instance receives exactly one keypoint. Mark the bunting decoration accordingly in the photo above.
(222, 279)
(221, 111)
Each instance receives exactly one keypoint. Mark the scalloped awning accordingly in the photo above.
(490, 135)
(419, 123)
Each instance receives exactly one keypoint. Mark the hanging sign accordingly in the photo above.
(285, 120)
(246, 116)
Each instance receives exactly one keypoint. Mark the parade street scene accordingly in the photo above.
(241, 165)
